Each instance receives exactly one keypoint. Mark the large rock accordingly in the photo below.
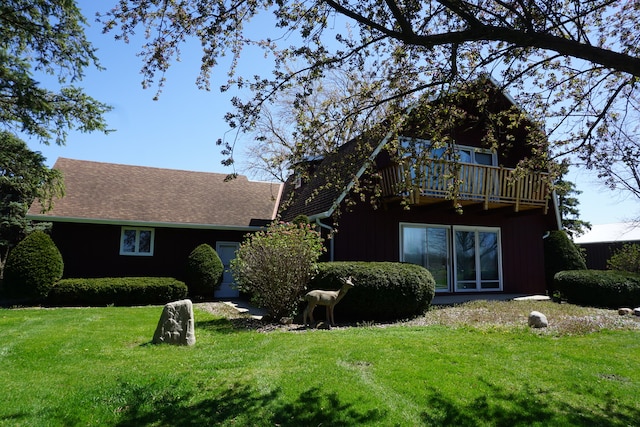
(624, 311)
(636, 311)
(176, 324)
(538, 320)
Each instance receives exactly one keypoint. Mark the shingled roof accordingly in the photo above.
(332, 180)
(114, 193)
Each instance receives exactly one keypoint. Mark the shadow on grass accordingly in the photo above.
(525, 406)
(237, 404)
(227, 326)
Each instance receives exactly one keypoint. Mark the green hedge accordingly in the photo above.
(33, 267)
(599, 288)
(560, 254)
(382, 291)
(121, 291)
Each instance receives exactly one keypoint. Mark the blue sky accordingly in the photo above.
(179, 130)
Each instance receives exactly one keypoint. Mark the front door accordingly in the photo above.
(227, 252)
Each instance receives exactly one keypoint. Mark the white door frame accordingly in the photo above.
(227, 287)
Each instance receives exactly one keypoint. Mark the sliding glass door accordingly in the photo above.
(460, 258)
(477, 258)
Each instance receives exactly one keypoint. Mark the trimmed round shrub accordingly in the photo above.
(204, 271)
(120, 291)
(382, 291)
(560, 254)
(33, 267)
(599, 288)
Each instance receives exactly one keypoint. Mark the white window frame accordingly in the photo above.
(136, 251)
(476, 150)
(478, 281)
(417, 145)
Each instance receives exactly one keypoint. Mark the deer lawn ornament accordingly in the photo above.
(326, 298)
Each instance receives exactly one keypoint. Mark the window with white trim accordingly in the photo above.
(137, 241)
(464, 153)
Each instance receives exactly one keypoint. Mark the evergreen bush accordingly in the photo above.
(599, 288)
(203, 272)
(382, 291)
(33, 267)
(560, 254)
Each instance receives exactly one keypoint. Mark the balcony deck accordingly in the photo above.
(489, 186)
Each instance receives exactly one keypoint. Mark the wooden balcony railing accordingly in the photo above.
(492, 186)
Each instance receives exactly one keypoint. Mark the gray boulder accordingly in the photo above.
(176, 325)
(538, 320)
(636, 311)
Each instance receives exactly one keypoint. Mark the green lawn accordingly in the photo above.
(66, 367)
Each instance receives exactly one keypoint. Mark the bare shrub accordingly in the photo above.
(274, 266)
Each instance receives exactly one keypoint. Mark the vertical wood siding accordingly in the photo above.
(373, 235)
(90, 250)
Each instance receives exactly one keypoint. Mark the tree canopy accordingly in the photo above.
(318, 119)
(44, 40)
(24, 177)
(573, 65)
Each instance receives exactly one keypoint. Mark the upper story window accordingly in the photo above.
(415, 147)
(465, 154)
(478, 156)
(137, 241)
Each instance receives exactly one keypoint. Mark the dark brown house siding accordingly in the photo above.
(597, 254)
(93, 250)
(365, 234)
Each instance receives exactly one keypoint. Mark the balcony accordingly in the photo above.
(487, 186)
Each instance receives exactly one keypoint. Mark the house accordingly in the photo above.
(476, 223)
(603, 240)
(120, 220)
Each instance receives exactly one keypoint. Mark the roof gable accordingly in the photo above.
(332, 179)
(107, 192)
(338, 173)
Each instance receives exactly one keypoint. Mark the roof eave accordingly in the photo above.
(136, 223)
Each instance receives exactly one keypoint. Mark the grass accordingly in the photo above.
(471, 365)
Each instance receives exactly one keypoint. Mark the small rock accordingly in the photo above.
(625, 311)
(636, 311)
(538, 320)
(176, 325)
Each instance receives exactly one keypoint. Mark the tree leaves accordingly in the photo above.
(23, 178)
(45, 40)
(572, 65)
